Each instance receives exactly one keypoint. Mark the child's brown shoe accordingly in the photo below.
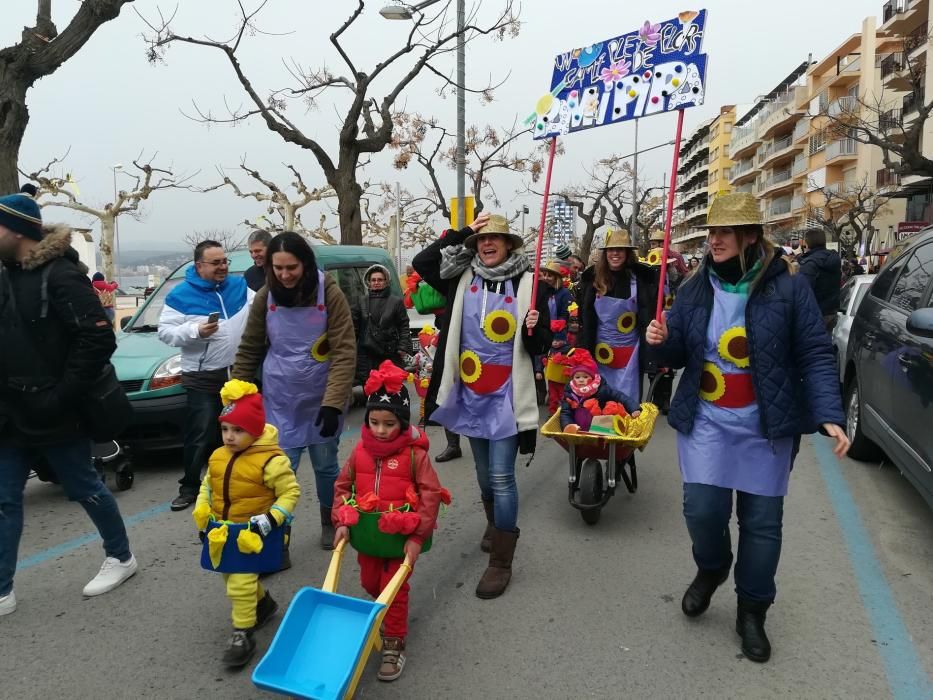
(393, 658)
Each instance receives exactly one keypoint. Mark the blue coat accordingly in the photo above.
(793, 368)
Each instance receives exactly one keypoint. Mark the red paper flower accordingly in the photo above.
(613, 408)
(411, 496)
(445, 496)
(592, 405)
(397, 522)
(388, 376)
(368, 502)
(558, 325)
(347, 515)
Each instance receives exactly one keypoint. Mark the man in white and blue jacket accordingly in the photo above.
(207, 351)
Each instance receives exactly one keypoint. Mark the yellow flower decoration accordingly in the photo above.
(216, 539)
(626, 322)
(320, 351)
(470, 366)
(499, 326)
(603, 354)
(712, 383)
(249, 542)
(668, 301)
(654, 257)
(201, 515)
(733, 347)
(235, 389)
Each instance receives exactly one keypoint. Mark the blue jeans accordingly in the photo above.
(325, 465)
(74, 467)
(495, 472)
(202, 437)
(708, 509)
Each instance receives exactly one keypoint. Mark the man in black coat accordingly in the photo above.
(823, 270)
(56, 344)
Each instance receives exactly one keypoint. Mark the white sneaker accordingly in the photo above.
(112, 573)
(7, 604)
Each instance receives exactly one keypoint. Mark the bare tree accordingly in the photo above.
(488, 150)
(229, 240)
(279, 200)
(848, 214)
(417, 223)
(602, 199)
(367, 122)
(149, 179)
(39, 53)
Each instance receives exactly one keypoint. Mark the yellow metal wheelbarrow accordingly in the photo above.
(325, 639)
(593, 483)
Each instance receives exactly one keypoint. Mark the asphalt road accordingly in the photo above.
(591, 611)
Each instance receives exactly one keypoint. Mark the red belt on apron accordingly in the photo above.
(616, 358)
(483, 378)
(726, 390)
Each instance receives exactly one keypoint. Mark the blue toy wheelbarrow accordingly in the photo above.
(322, 645)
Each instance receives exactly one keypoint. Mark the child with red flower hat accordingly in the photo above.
(389, 471)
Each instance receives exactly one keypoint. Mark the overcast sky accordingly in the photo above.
(108, 103)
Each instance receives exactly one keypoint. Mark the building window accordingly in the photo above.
(727, 127)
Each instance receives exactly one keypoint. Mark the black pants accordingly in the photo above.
(202, 437)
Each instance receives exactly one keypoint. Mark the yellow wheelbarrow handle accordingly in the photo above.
(332, 579)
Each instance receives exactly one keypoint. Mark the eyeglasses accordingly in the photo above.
(216, 263)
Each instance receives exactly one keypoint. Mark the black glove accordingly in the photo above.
(328, 419)
(202, 536)
(526, 442)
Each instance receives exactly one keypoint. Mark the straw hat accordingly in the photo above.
(617, 238)
(734, 209)
(553, 267)
(497, 224)
(656, 235)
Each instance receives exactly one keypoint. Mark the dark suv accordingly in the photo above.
(889, 376)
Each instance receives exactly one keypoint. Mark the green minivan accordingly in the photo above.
(150, 371)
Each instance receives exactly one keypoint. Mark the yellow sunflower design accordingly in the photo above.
(654, 257)
(470, 366)
(499, 326)
(603, 354)
(626, 322)
(712, 383)
(733, 347)
(320, 351)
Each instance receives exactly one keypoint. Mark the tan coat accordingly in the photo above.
(340, 334)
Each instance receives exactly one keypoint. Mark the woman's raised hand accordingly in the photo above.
(480, 222)
(657, 332)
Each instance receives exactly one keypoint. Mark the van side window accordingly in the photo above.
(913, 281)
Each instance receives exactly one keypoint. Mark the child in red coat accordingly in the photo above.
(389, 471)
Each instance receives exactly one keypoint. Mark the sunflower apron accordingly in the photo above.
(617, 342)
(726, 447)
(294, 373)
(480, 403)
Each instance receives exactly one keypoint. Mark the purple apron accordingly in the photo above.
(294, 373)
(480, 402)
(617, 342)
(726, 447)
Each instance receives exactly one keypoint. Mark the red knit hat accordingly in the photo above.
(582, 361)
(243, 407)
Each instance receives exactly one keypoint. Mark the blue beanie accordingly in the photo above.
(21, 214)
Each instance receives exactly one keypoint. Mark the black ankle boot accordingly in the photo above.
(699, 593)
(750, 626)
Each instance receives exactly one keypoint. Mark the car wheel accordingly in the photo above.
(861, 447)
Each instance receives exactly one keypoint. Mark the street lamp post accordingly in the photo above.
(116, 226)
(403, 12)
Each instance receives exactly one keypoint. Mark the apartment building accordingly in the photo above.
(691, 203)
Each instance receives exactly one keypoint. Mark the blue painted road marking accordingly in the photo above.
(906, 677)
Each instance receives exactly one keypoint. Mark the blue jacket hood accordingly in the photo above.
(199, 297)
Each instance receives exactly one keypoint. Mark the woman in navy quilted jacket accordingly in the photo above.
(759, 372)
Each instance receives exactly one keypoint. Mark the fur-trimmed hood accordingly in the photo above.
(55, 243)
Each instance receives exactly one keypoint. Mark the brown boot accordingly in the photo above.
(486, 543)
(497, 575)
(393, 659)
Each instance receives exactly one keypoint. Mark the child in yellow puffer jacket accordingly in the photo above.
(251, 480)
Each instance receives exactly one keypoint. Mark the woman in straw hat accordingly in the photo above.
(618, 299)
(483, 380)
(759, 372)
(558, 305)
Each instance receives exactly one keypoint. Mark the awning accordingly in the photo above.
(909, 190)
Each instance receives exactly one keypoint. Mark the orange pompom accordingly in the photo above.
(572, 428)
(612, 408)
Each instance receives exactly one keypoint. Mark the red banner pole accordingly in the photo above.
(547, 193)
(670, 214)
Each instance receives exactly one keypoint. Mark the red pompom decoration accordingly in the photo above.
(369, 502)
(347, 515)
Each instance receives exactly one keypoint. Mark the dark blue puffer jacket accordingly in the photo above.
(793, 369)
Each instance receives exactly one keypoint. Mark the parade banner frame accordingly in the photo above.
(657, 69)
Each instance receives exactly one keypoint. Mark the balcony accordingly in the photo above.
(748, 187)
(912, 102)
(782, 109)
(892, 119)
(798, 202)
(743, 137)
(916, 39)
(800, 167)
(801, 130)
(843, 148)
(885, 178)
(778, 208)
(892, 8)
(891, 64)
(779, 178)
(843, 106)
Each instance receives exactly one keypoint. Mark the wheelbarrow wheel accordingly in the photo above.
(124, 479)
(591, 489)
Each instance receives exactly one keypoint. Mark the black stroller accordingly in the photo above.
(108, 456)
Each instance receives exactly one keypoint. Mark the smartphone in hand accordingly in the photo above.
(214, 317)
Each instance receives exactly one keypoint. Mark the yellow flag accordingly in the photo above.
(74, 185)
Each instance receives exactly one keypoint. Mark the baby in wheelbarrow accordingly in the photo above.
(248, 480)
(586, 397)
(388, 479)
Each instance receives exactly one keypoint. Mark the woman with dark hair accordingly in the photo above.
(300, 334)
(619, 296)
(759, 372)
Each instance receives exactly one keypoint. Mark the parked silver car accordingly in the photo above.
(850, 296)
